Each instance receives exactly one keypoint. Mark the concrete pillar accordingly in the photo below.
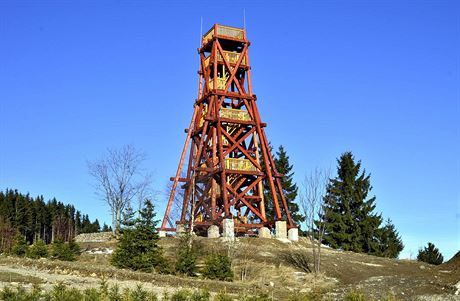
(264, 232)
(280, 229)
(293, 234)
(180, 229)
(213, 231)
(162, 233)
(228, 228)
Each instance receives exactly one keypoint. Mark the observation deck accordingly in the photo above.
(224, 32)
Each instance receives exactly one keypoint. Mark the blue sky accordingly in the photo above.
(378, 78)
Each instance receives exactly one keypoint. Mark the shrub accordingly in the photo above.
(37, 250)
(200, 295)
(355, 296)
(61, 292)
(430, 254)
(114, 293)
(92, 294)
(223, 297)
(218, 267)
(186, 261)
(20, 246)
(164, 267)
(182, 295)
(62, 251)
(298, 259)
(74, 247)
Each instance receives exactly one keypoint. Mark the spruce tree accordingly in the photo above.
(290, 190)
(350, 223)
(430, 254)
(138, 248)
(390, 241)
(21, 246)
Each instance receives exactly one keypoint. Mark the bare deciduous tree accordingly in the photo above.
(120, 179)
(312, 204)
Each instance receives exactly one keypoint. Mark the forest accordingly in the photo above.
(37, 219)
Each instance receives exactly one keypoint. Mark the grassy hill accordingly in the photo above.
(264, 266)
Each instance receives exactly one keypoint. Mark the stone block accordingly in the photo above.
(280, 229)
(213, 231)
(264, 232)
(180, 229)
(293, 234)
(228, 228)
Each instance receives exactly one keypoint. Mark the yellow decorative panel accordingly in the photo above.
(239, 164)
(235, 114)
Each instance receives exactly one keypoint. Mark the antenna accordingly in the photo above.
(244, 18)
(201, 31)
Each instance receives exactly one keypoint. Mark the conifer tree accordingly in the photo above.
(390, 241)
(430, 254)
(137, 248)
(290, 190)
(349, 218)
(20, 247)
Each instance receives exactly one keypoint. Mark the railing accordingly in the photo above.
(239, 164)
(208, 35)
(221, 82)
(231, 32)
(226, 31)
(231, 57)
(236, 114)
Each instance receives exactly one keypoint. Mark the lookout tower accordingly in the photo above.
(229, 158)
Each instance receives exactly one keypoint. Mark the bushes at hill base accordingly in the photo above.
(61, 292)
(64, 251)
(186, 295)
(430, 254)
(37, 250)
(218, 267)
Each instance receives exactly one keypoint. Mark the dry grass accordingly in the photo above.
(11, 277)
(261, 264)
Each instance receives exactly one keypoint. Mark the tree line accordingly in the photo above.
(34, 219)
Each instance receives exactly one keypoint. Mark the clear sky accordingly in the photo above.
(378, 78)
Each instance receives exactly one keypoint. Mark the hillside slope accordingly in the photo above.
(264, 267)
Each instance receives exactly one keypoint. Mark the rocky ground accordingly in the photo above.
(260, 265)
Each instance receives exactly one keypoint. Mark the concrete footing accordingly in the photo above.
(228, 228)
(293, 234)
(213, 231)
(180, 230)
(264, 232)
(162, 233)
(280, 229)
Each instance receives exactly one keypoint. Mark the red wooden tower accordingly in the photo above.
(229, 156)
